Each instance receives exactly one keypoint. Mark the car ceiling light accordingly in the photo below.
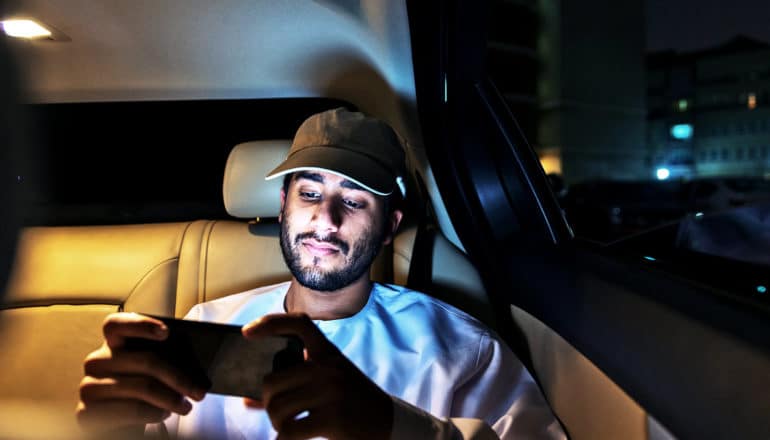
(24, 28)
(662, 173)
(761, 289)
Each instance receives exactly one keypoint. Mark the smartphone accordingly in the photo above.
(219, 354)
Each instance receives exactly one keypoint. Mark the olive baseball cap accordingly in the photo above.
(362, 149)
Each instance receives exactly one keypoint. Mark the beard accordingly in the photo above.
(358, 258)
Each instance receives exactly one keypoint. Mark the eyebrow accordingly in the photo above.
(315, 177)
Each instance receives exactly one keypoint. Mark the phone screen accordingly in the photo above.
(219, 354)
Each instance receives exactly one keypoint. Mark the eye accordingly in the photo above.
(352, 204)
(309, 195)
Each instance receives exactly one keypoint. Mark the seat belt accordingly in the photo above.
(420, 275)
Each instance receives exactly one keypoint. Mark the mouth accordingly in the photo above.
(320, 249)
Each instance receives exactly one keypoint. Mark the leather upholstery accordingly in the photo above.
(587, 402)
(44, 347)
(65, 281)
(246, 192)
(98, 264)
(225, 257)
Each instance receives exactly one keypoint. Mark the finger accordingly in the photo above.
(253, 403)
(149, 390)
(315, 424)
(118, 413)
(138, 363)
(285, 407)
(298, 325)
(118, 327)
(291, 377)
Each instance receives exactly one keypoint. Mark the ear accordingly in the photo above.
(393, 221)
(283, 202)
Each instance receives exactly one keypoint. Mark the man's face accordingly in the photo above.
(331, 230)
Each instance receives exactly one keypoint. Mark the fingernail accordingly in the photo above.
(160, 330)
(248, 327)
(198, 394)
(186, 406)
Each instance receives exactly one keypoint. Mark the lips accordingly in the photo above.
(321, 246)
(320, 249)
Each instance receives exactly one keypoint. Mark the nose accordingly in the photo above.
(327, 217)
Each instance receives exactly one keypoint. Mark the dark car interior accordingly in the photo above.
(142, 192)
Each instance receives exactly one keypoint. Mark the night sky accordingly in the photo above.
(687, 25)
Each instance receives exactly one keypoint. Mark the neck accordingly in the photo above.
(326, 306)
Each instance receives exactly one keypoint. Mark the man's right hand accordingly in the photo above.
(125, 388)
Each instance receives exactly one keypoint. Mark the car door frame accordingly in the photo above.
(690, 354)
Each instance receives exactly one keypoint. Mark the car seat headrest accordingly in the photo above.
(245, 191)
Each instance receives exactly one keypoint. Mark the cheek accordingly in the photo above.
(365, 230)
(296, 219)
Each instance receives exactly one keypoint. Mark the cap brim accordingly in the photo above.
(356, 167)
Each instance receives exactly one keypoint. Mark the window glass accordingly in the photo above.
(648, 108)
(129, 162)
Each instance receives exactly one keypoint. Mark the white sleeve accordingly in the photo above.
(499, 393)
(411, 422)
(503, 393)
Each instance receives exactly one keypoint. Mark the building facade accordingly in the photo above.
(591, 89)
(709, 111)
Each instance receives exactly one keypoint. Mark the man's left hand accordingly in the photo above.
(341, 402)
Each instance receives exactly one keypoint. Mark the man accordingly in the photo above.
(381, 361)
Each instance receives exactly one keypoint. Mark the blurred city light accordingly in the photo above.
(551, 162)
(662, 173)
(681, 131)
(752, 101)
(761, 289)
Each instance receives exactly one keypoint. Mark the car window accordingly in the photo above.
(139, 162)
(675, 123)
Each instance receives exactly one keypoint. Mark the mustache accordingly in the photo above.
(344, 247)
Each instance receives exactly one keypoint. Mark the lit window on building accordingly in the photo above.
(751, 101)
(551, 162)
(681, 131)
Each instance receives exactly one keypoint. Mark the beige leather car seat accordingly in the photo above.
(67, 279)
(64, 282)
